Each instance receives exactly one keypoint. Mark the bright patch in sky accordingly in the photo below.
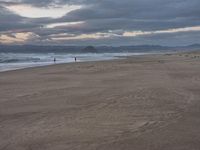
(63, 24)
(36, 12)
(176, 30)
(16, 37)
(84, 36)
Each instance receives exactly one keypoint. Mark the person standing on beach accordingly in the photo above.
(75, 59)
(54, 59)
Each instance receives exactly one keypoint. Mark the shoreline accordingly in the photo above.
(114, 58)
(68, 63)
(61, 63)
(54, 64)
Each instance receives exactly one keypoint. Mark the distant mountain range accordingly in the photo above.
(92, 49)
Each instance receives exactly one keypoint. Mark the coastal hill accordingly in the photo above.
(89, 49)
(92, 49)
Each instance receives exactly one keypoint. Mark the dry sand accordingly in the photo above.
(140, 103)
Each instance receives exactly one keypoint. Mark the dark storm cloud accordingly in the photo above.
(11, 21)
(134, 9)
(143, 13)
(7, 19)
(109, 15)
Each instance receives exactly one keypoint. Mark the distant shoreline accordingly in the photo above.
(113, 58)
(79, 59)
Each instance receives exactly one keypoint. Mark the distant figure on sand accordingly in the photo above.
(75, 59)
(54, 60)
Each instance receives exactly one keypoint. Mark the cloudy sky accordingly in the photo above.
(100, 22)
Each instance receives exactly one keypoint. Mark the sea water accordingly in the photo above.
(13, 61)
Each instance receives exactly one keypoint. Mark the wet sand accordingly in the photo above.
(139, 103)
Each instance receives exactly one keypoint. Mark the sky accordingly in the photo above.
(100, 22)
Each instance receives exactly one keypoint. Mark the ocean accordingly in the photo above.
(14, 61)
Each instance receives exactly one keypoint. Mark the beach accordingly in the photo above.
(149, 102)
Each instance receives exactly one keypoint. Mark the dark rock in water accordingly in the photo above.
(89, 49)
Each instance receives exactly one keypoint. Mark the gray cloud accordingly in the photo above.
(110, 15)
(13, 22)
